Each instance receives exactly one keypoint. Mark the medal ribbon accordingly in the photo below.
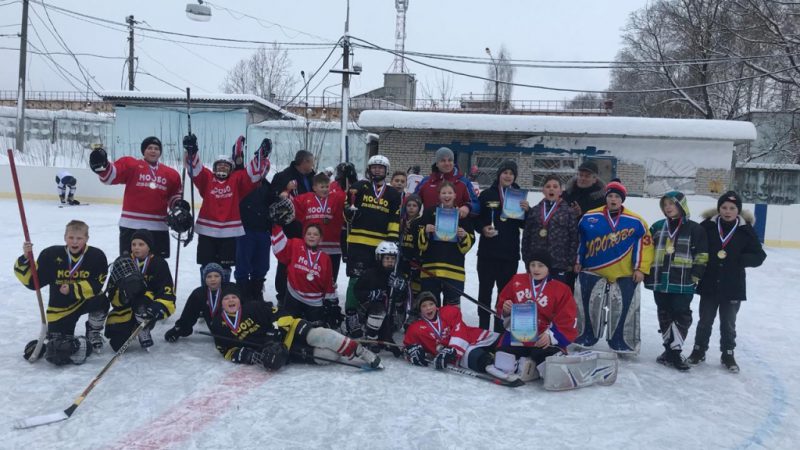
(213, 301)
(237, 320)
(546, 216)
(144, 263)
(323, 206)
(502, 196)
(610, 221)
(672, 234)
(378, 195)
(73, 269)
(437, 329)
(311, 263)
(724, 239)
(153, 171)
(537, 292)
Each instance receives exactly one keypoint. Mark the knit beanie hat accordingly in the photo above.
(732, 197)
(507, 165)
(414, 198)
(615, 186)
(443, 153)
(212, 267)
(541, 256)
(230, 289)
(424, 296)
(151, 140)
(145, 236)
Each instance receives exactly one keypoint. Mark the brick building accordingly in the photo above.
(650, 156)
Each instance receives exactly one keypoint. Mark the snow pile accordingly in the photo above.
(185, 396)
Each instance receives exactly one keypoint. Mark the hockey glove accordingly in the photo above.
(173, 334)
(398, 282)
(332, 313)
(376, 295)
(446, 356)
(415, 354)
(274, 356)
(98, 160)
(190, 145)
(155, 311)
(353, 325)
(265, 148)
(246, 356)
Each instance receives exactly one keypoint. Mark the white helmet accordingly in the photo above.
(378, 160)
(222, 159)
(385, 248)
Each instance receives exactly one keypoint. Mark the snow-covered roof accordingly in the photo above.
(300, 125)
(696, 129)
(46, 114)
(768, 166)
(205, 98)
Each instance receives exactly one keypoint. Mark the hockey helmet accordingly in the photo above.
(385, 248)
(222, 159)
(378, 160)
(179, 219)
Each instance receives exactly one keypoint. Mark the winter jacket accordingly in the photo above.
(282, 179)
(504, 246)
(679, 272)
(443, 259)
(428, 189)
(587, 198)
(254, 208)
(202, 302)
(725, 278)
(561, 241)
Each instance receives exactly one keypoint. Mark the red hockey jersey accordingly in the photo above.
(302, 264)
(448, 330)
(149, 191)
(555, 308)
(327, 213)
(219, 216)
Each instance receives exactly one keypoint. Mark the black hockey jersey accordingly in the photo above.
(378, 215)
(443, 259)
(160, 288)
(255, 324)
(202, 302)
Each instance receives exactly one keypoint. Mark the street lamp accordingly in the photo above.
(323, 95)
(198, 12)
(305, 83)
(496, 81)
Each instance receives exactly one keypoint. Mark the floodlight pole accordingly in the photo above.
(23, 57)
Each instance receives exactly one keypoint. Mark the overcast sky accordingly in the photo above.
(540, 30)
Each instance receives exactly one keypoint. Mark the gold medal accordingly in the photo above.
(543, 232)
(722, 254)
(670, 249)
(310, 276)
(503, 219)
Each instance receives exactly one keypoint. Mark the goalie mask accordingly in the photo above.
(223, 166)
(179, 219)
(126, 277)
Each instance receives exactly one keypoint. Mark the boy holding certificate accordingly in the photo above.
(443, 240)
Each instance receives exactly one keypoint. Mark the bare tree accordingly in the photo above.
(440, 91)
(501, 72)
(266, 73)
(586, 101)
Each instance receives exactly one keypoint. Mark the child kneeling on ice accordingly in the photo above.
(258, 333)
(556, 316)
(442, 332)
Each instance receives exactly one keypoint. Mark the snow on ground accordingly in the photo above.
(185, 396)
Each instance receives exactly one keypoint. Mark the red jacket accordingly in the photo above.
(300, 262)
(428, 189)
(308, 210)
(219, 216)
(448, 330)
(149, 191)
(556, 310)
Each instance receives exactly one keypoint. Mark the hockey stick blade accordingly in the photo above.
(36, 421)
(481, 376)
(37, 351)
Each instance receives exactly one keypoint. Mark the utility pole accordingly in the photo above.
(496, 80)
(305, 110)
(130, 22)
(23, 56)
(345, 85)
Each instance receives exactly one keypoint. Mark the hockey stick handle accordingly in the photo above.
(252, 344)
(34, 272)
(417, 265)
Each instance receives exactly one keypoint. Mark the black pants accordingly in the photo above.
(336, 261)
(674, 318)
(727, 322)
(296, 308)
(449, 289)
(66, 324)
(492, 272)
(280, 283)
(565, 276)
(160, 241)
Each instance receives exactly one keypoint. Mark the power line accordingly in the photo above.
(167, 68)
(91, 55)
(161, 80)
(558, 89)
(261, 22)
(308, 80)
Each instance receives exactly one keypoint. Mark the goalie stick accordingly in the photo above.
(37, 351)
(482, 376)
(251, 344)
(47, 419)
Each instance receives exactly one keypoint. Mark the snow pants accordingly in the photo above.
(252, 256)
(674, 318)
(608, 308)
(727, 322)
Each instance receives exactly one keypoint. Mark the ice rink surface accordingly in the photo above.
(185, 396)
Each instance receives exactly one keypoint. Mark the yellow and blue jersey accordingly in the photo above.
(614, 251)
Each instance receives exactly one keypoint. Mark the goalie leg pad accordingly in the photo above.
(590, 295)
(577, 370)
(623, 320)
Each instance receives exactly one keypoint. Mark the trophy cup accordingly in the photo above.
(493, 207)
